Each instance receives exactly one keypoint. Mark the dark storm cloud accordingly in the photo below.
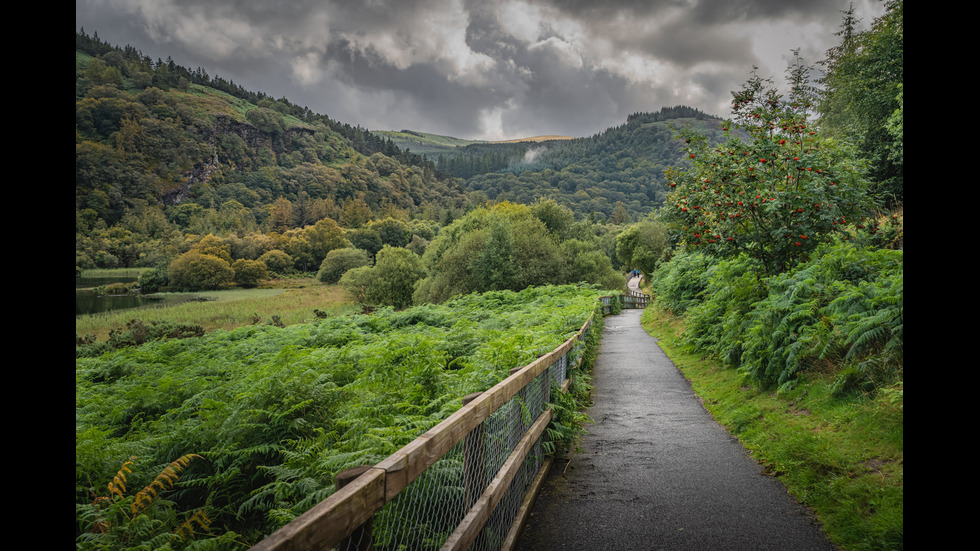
(478, 68)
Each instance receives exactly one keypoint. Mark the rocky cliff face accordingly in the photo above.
(254, 139)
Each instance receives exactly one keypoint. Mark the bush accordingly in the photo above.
(356, 282)
(153, 280)
(776, 194)
(277, 261)
(194, 271)
(501, 247)
(248, 273)
(339, 261)
(718, 324)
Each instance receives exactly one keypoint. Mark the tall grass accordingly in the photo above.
(288, 303)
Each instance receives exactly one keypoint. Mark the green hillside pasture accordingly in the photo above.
(276, 412)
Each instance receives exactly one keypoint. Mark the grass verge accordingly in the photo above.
(841, 457)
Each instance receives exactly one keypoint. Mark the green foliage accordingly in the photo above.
(308, 246)
(844, 308)
(390, 281)
(277, 261)
(620, 169)
(774, 196)
(510, 246)
(642, 245)
(862, 99)
(339, 261)
(583, 263)
(681, 283)
(491, 248)
(137, 333)
(393, 277)
(277, 412)
(162, 151)
(841, 311)
(153, 280)
(194, 271)
(719, 322)
(249, 273)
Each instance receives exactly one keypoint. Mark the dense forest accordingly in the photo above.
(776, 234)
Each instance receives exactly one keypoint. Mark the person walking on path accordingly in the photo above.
(656, 471)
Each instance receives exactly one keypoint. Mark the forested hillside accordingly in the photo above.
(617, 175)
(161, 151)
(165, 155)
(617, 170)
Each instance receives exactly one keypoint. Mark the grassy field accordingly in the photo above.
(841, 457)
(285, 301)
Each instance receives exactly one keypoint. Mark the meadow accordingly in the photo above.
(284, 301)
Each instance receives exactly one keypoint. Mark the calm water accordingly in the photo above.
(88, 302)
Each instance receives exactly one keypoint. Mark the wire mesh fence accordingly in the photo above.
(461, 485)
(427, 512)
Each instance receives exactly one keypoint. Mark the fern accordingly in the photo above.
(126, 521)
(164, 481)
(186, 530)
(843, 307)
(118, 485)
(278, 412)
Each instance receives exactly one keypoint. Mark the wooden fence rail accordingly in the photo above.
(487, 445)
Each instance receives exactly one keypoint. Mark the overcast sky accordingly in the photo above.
(480, 69)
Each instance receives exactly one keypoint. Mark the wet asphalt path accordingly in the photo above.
(657, 472)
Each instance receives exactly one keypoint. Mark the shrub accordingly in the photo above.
(153, 280)
(356, 282)
(277, 261)
(193, 271)
(777, 194)
(394, 276)
(491, 248)
(248, 273)
(339, 261)
(718, 324)
(681, 283)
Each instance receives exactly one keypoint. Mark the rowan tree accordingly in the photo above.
(774, 188)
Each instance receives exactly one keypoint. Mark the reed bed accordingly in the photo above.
(285, 302)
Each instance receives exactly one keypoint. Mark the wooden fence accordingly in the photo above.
(467, 483)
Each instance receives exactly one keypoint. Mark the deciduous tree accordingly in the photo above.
(774, 195)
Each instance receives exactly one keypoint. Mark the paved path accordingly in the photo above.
(657, 472)
(634, 284)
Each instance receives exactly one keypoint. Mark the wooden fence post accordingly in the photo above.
(361, 539)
